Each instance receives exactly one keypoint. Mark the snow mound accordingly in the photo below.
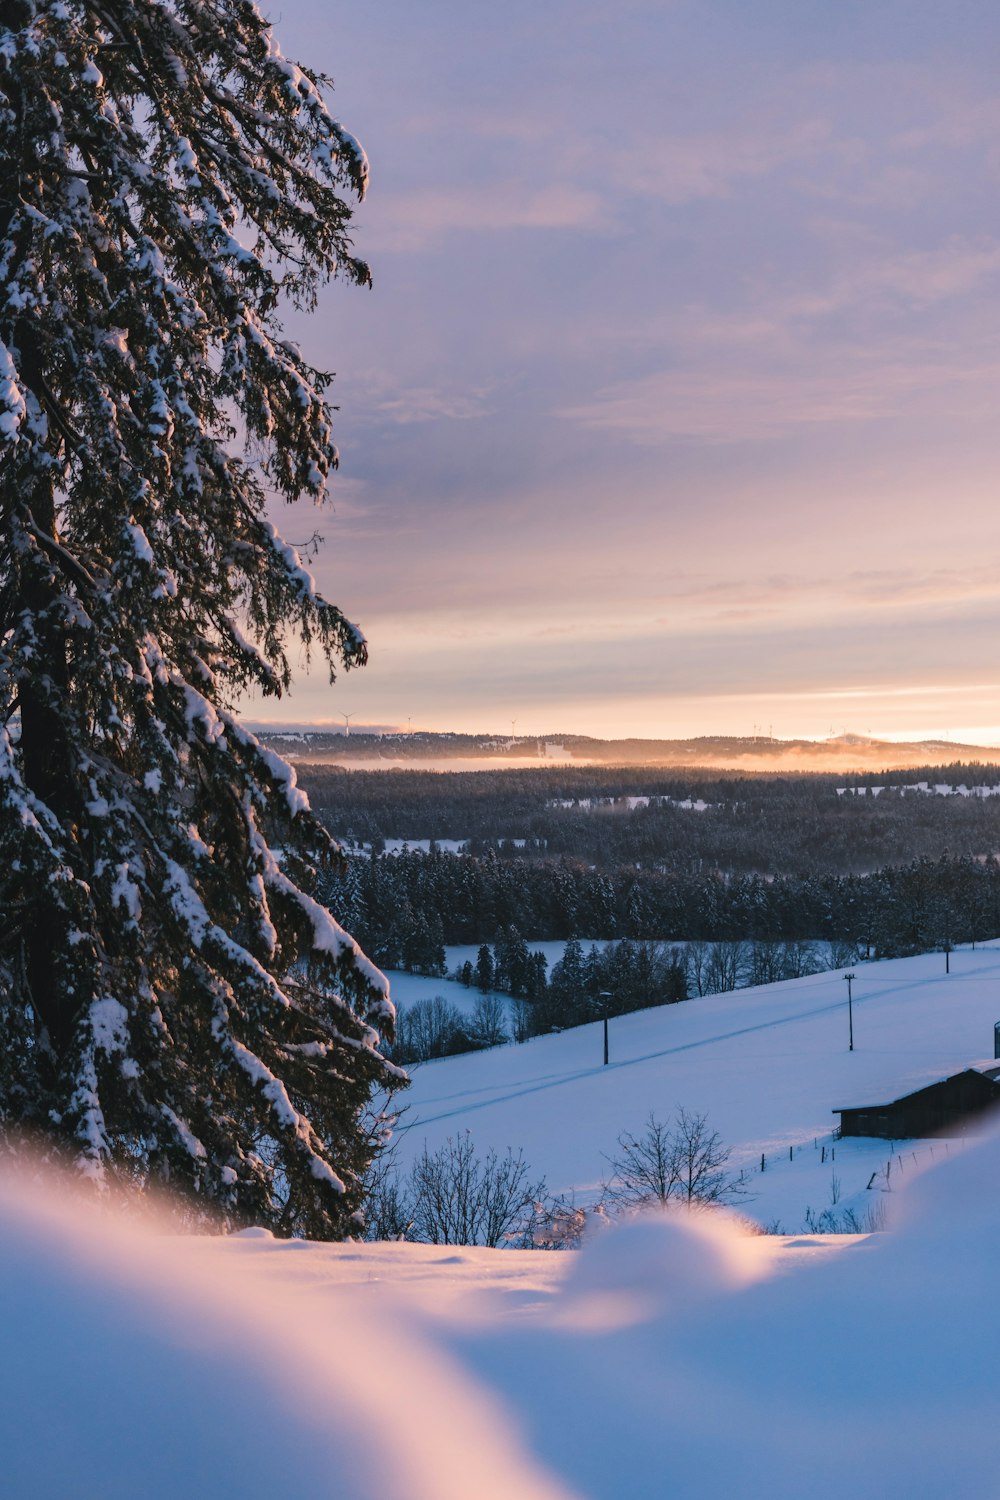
(870, 1371)
(683, 1356)
(139, 1364)
(666, 1260)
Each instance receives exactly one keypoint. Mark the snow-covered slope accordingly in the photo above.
(768, 1066)
(140, 1365)
(674, 1356)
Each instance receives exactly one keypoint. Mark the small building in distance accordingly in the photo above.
(955, 1106)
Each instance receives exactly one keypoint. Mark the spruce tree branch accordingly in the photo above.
(69, 565)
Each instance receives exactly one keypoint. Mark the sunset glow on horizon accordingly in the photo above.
(673, 410)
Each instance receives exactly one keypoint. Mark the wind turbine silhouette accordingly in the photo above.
(347, 723)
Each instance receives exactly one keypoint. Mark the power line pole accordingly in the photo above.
(605, 995)
(850, 1011)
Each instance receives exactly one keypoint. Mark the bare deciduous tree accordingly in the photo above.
(488, 1026)
(725, 968)
(680, 1163)
(428, 1028)
(766, 962)
(388, 1205)
(696, 955)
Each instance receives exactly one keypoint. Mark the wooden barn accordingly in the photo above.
(955, 1106)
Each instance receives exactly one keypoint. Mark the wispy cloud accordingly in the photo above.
(428, 404)
(679, 168)
(416, 221)
(758, 403)
(957, 122)
(916, 278)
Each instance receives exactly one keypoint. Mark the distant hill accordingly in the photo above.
(426, 750)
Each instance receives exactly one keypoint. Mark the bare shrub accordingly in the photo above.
(849, 1220)
(388, 1206)
(557, 1224)
(461, 1198)
(696, 957)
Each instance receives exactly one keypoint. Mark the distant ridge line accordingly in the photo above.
(412, 749)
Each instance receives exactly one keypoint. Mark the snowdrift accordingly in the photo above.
(675, 1356)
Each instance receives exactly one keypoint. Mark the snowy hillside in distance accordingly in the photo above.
(768, 1066)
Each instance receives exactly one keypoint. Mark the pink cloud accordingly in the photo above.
(406, 222)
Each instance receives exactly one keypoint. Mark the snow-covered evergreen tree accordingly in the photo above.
(173, 1003)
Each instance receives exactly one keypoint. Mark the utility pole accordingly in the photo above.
(605, 995)
(850, 1011)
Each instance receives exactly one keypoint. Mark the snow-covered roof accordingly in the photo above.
(989, 1070)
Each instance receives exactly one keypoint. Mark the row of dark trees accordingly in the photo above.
(507, 966)
(624, 976)
(435, 1028)
(591, 981)
(627, 975)
(412, 904)
(766, 824)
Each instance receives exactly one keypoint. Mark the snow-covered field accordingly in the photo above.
(673, 1356)
(768, 1066)
(407, 989)
(407, 846)
(588, 804)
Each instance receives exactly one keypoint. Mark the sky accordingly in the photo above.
(673, 409)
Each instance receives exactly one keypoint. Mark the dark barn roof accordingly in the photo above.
(953, 1106)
